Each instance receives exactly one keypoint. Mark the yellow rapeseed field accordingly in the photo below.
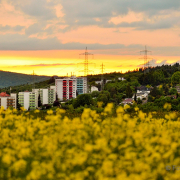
(90, 147)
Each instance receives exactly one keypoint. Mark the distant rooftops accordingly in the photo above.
(127, 101)
(143, 88)
(3, 94)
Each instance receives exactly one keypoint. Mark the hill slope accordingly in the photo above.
(13, 79)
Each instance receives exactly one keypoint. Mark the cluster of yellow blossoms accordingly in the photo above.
(90, 147)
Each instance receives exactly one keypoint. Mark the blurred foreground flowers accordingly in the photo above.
(137, 147)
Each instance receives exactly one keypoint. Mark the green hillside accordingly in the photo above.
(8, 79)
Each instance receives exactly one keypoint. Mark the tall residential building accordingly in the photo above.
(81, 85)
(67, 87)
(7, 100)
(48, 96)
(28, 100)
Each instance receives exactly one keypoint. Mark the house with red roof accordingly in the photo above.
(7, 100)
(127, 101)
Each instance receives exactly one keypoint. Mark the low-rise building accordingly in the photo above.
(98, 82)
(177, 88)
(121, 78)
(28, 100)
(127, 101)
(47, 96)
(94, 88)
(7, 100)
(141, 95)
(143, 89)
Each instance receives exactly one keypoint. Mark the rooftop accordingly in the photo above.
(3, 94)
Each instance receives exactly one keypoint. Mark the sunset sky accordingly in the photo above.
(47, 36)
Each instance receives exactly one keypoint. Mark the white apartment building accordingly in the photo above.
(48, 96)
(7, 100)
(28, 100)
(81, 85)
(94, 88)
(68, 87)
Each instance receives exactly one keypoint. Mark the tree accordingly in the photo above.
(17, 103)
(175, 79)
(103, 98)
(95, 93)
(154, 92)
(165, 88)
(113, 91)
(128, 91)
(135, 97)
(173, 91)
(56, 103)
(82, 99)
(51, 80)
(99, 87)
(158, 77)
(39, 101)
(56, 97)
(150, 98)
(139, 101)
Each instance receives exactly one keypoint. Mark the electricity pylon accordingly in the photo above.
(86, 54)
(102, 77)
(146, 62)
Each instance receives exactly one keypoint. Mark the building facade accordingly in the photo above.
(66, 88)
(94, 88)
(47, 96)
(28, 100)
(81, 85)
(70, 87)
(7, 100)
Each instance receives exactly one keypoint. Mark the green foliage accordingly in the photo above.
(129, 92)
(95, 93)
(155, 92)
(173, 91)
(39, 101)
(82, 99)
(103, 98)
(150, 98)
(56, 103)
(158, 77)
(139, 101)
(175, 79)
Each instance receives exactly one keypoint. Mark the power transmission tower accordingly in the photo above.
(86, 54)
(33, 85)
(86, 63)
(102, 77)
(146, 62)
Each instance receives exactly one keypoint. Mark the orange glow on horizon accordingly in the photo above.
(61, 62)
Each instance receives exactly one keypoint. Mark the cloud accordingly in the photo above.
(154, 63)
(23, 42)
(84, 14)
(10, 28)
(44, 65)
(41, 9)
(79, 13)
(49, 19)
